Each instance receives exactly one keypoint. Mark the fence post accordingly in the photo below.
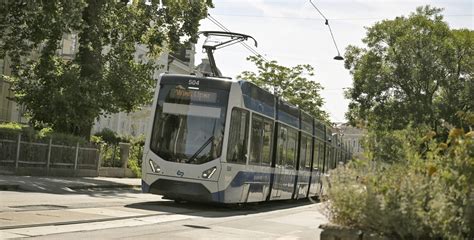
(48, 160)
(17, 159)
(77, 155)
(98, 161)
(124, 154)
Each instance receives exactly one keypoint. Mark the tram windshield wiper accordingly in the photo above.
(192, 158)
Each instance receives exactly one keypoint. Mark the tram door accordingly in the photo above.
(278, 179)
(284, 173)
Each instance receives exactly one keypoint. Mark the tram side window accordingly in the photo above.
(316, 158)
(320, 155)
(302, 153)
(329, 159)
(238, 135)
(287, 147)
(282, 146)
(308, 153)
(260, 140)
(267, 142)
(256, 139)
(305, 153)
(292, 142)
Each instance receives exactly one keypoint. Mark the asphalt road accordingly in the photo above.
(129, 214)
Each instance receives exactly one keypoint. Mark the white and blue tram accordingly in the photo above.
(226, 141)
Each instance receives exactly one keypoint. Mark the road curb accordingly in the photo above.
(84, 187)
(18, 187)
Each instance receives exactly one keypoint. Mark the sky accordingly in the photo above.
(292, 32)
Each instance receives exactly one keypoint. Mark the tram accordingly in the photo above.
(228, 141)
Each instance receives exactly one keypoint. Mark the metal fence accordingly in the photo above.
(15, 154)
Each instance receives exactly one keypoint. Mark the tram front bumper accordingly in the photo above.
(182, 190)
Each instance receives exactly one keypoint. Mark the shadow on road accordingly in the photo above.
(64, 185)
(217, 210)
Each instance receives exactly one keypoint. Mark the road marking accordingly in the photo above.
(109, 212)
(131, 222)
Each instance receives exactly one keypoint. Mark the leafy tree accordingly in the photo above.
(413, 70)
(289, 83)
(105, 76)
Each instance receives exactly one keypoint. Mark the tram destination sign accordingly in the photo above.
(193, 95)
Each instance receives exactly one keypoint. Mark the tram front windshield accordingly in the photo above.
(189, 124)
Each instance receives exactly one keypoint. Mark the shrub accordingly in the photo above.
(62, 138)
(136, 155)
(423, 192)
(10, 126)
(11, 131)
(108, 141)
(108, 136)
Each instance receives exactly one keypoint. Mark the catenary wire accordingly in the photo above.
(329, 26)
(221, 26)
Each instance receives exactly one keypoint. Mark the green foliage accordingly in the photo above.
(104, 76)
(391, 146)
(11, 131)
(66, 139)
(415, 75)
(108, 136)
(109, 141)
(110, 155)
(45, 132)
(10, 126)
(414, 70)
(290, 84)
(452, 207)
(136, 155)
(425, 192)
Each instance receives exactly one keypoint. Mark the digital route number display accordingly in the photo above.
(192, 95)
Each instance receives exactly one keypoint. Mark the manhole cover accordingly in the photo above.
(39, 207)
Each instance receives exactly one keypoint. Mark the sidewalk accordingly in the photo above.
(62, 185)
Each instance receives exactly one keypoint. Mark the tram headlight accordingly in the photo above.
(209, 172)
(154, 166)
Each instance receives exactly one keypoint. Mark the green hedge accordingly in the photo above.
(107, 140)
(11, 131)
(423, 191)
(110, 151)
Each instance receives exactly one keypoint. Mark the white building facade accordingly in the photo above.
(10, 111)
(353, 138)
